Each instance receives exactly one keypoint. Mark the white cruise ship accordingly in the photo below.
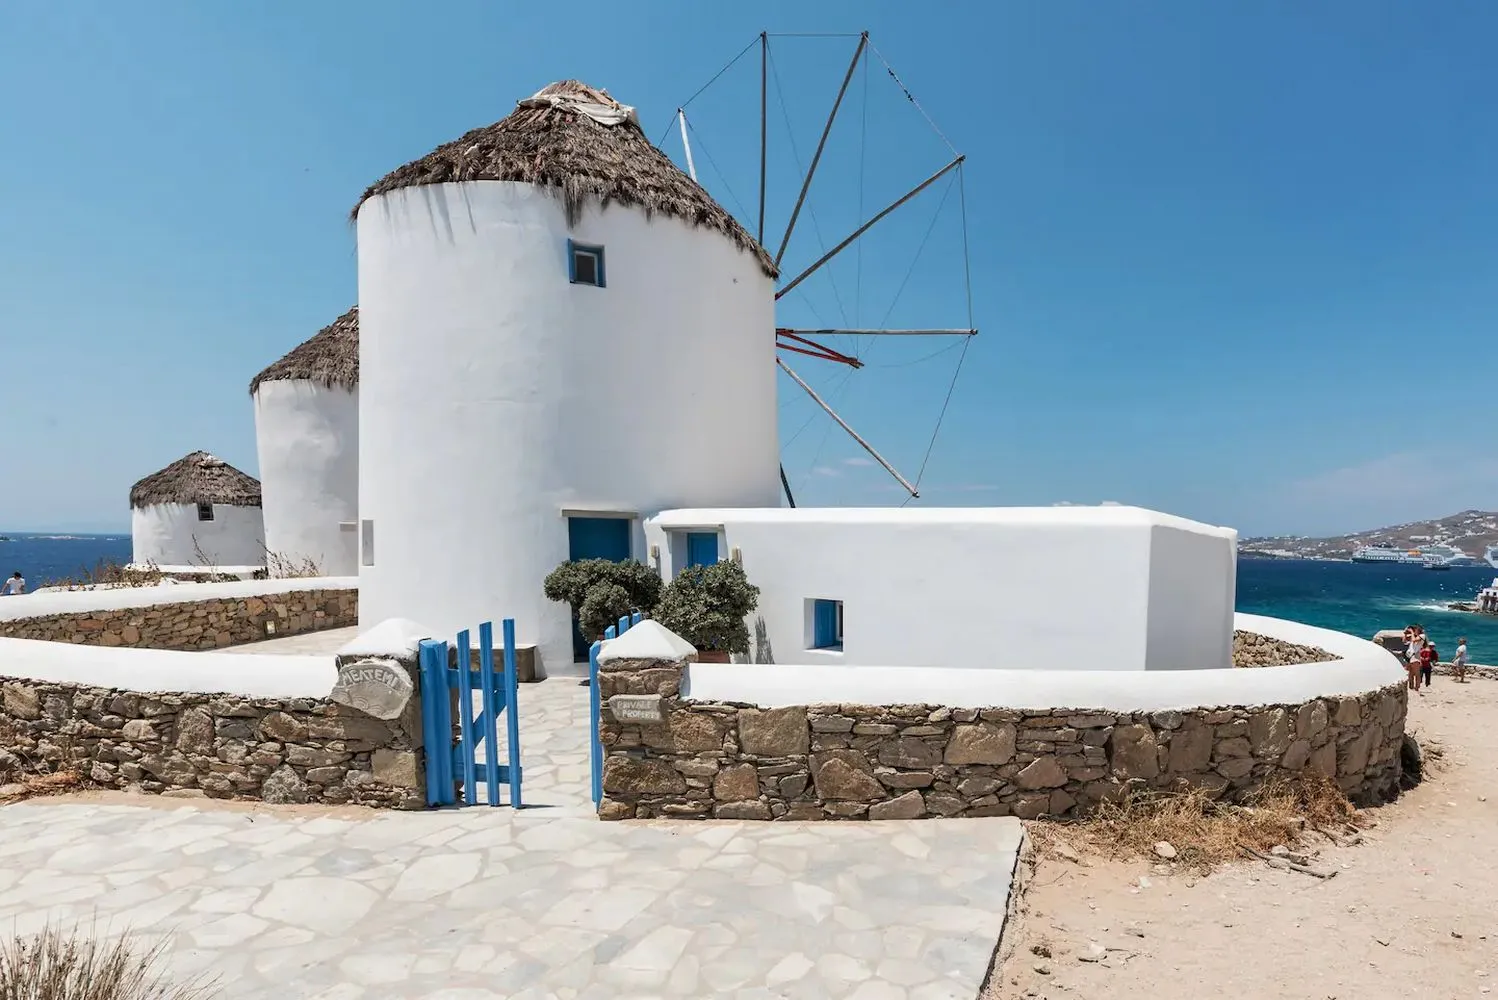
(1384, 554)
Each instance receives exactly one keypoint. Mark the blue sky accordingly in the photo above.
(1232, 261)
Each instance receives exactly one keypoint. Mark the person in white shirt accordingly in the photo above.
(1459, 661)
(16, 584)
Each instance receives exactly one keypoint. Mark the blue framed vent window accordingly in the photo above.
(702, 548)
(584, 264)
(827, 625)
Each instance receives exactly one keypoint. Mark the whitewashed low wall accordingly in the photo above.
(795, 742)
(1363, 667)
(251, 676)
(71, 602)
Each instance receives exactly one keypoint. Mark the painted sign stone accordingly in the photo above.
(637, 708)
(380, 688)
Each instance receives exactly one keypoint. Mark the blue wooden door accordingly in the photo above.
(702, 548)
(594, 538)
(598, 538)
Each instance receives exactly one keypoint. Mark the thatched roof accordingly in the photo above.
(331, 357)
(578, 158)
(197, 478)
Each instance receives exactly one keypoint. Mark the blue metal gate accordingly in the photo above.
(596, 703)
(450, 761)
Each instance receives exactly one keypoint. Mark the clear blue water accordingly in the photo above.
(1362, 598)
(1349, 597)
(41, 558)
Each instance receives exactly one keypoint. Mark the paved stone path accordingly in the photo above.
(547, 901)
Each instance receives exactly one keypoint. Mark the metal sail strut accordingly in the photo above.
(800, 334)
(851, 432)
(923, 185)
(811, 171)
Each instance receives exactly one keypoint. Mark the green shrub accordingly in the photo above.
(707, 605)
(603, 606)
(600, 591)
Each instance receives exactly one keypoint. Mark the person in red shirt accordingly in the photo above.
(1427, 661)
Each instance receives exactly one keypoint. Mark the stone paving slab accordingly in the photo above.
(479, 903)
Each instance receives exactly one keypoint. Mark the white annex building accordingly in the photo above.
(307, 439)
(196, 513)
(1009, 588)
(560, 334)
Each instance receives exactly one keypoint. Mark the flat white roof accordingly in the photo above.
(1103, 516)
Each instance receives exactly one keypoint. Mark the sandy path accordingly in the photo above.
(1385, 927)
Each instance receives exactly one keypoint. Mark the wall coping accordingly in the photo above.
(1363, 667)
(251, 675)
(41, 605)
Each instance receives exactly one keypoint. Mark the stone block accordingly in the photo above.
(396, 768)
(737, 783)
(1132, 752)
(908, 753)
(1296, 755)
(22, 702)
(1348, 712)
(1310, 720)
(1043, 772)
(1324, 760)
(983, 743)
(1269, 732)
(844, 775)
(944, 803)
(195, 732)
(775, 732)
(1032, 806)
(907, 806)
(624, 775)
(696, 732)
(742, 810)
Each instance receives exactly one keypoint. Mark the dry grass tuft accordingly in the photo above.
(1205, 833)
(107, 574)
(66, 964)
(283, 567)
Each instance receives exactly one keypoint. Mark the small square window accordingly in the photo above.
(827, 625)
(585, 264)
(205, 512)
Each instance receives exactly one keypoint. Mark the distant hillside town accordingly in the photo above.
(1468, 538)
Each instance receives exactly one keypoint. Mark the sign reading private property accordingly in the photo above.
(380, 688)
(639, 708)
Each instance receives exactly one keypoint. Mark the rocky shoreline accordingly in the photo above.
(1253, 650)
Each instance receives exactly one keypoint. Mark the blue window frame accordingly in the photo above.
(584, 264)
(702, 548)
(827, 625)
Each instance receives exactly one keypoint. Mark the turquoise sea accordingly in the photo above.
(1351, 597)
(1362, 598)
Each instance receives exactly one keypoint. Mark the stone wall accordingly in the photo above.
(733, 761)
(203, 624)
(276, 750)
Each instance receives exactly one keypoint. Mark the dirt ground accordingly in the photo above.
(1412, 911)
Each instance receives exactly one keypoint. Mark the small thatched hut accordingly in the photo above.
(199, 512)
(560, 333)
(307, 439)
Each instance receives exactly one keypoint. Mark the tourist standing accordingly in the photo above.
(1459, 661)
(1412, 659)
(15, 584)
(1428, 660)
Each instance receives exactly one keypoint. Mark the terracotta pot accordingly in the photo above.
(713, 656)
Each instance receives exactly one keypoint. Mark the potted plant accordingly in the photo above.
(600, 591)
(706, 606)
